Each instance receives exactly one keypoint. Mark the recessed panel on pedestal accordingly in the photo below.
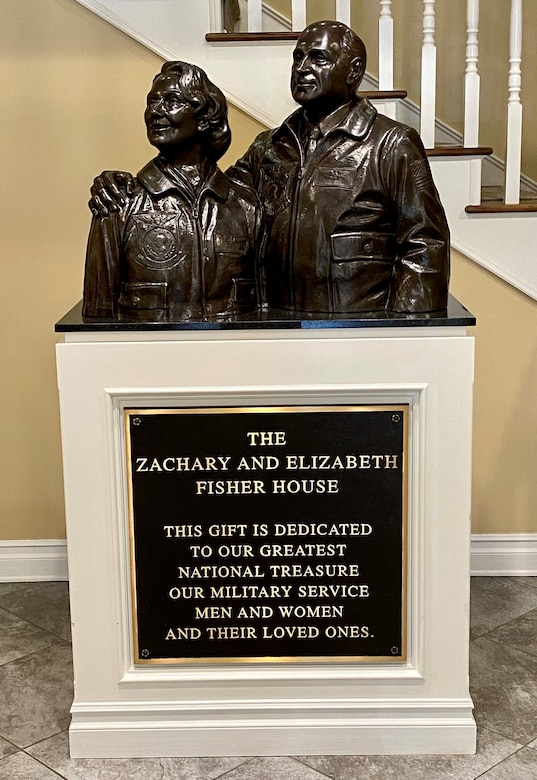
(268, 533)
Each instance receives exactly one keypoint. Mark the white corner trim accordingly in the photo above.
(504, 555)
(492, 555)
(33, 560)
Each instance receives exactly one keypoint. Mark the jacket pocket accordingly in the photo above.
(339, 176)
(362, 246)
(231, 245)
(243, 295)
(144, 295)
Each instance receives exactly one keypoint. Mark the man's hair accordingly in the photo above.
(352, 44)
(206, 99)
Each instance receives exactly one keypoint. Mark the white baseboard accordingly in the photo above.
(504, 555)
(33, 560)
(492, 555)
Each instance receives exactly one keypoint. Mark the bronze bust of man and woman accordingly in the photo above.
(335, 211)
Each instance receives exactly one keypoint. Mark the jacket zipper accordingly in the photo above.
(201, 257)
(294, 211)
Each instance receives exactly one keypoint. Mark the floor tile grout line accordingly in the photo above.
(524, 584)
(35, 625)
(35, 652)
(292, 758)
(42, 763)
(323, 774)
(50, 736)
(503, 625)
(507, 758)
(233, 769)
(32, 623)
(506, 645)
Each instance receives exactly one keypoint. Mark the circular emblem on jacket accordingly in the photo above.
(157, 238)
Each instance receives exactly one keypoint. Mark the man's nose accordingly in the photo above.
(302, 64)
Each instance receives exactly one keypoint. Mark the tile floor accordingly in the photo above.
(36, 692)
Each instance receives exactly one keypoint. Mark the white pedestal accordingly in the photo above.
(421, 705)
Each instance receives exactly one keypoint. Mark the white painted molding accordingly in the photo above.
(33, 560)
(492, 555)
(504, 555)
(274, 20)
(217, 728)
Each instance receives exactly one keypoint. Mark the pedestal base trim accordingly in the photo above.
(218, 729)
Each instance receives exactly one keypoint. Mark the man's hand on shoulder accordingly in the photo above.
(109, 192)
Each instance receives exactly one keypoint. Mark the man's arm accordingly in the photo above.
(421, 274)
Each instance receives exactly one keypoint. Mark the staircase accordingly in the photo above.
(253, 69)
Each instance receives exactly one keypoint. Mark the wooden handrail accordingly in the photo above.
(248, 37)
(450, 150)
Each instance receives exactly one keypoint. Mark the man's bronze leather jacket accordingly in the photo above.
(356, 225)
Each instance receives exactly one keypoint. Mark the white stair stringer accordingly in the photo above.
(504, 244)
(255, 78)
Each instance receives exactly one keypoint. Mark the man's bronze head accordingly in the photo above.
(328, 65)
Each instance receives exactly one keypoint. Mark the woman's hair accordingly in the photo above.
(207, 100)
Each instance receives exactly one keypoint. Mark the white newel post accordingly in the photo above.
(298, 14)
(419, 703)
(255, 16)
(385, 46)
(386, 53)
(428, 76)
(343, 11)
(514, 107)
(472, 97)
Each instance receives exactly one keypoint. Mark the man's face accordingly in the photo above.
(169, 119)
(320, 68)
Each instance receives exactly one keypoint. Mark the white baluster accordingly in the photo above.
(216, 16)
(514, 107)
(428, 75)
(386, 54)
(343, 11)
(471, 97)
(298, 14)
(385, 46)
(255, 16)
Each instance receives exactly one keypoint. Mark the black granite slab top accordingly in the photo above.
(454, 316)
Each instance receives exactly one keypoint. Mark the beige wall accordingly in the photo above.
(74, 93)
(75, 90)
(505, 400)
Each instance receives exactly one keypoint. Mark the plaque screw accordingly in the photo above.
(395, 651)
(396, 418)
(145, 653)
(136, 421)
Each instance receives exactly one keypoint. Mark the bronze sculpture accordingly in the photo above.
(353, 221)
(182, 244)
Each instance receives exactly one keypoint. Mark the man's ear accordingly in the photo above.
(356, 72)
(203, 125)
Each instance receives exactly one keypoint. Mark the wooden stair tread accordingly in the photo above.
(498, 207)
(492, 202)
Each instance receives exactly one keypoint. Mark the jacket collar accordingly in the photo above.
(354, 118)
(158, 183)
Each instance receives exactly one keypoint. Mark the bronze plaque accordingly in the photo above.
(268, 533)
